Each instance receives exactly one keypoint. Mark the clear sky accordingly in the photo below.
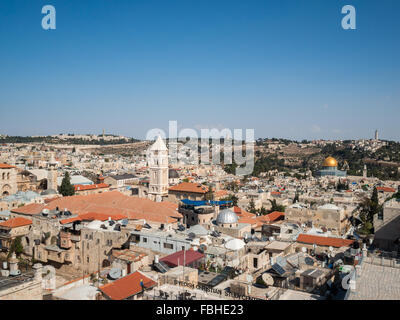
(284, 68)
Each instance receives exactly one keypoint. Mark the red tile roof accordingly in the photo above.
(30, 209)
(221, 193)
(111, 203)
(386, 189)
(189, 187)
(127, 286)
(273, 216)
(6, 166)
(242, 213)
(189, 256)
(82, 187)
(324, 241)
(114, 203)
(16, 222)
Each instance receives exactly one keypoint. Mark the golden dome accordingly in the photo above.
(330, 162)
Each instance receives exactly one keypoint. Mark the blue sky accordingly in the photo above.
(284, 68)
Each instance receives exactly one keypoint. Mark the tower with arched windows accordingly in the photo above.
(8, 179)
(158, 164)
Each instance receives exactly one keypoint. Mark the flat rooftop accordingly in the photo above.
(299, 295)
(278, 245)
(376, 282)
(9, 282)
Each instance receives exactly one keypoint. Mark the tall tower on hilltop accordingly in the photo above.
(376, 134)
(158, 162)
(365, 171)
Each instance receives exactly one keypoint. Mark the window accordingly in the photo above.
(168, 246)
(144, 239)
(87, 259)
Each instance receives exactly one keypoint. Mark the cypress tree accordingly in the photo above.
(66, 188)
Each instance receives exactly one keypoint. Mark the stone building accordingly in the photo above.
(187, 190)
(387, 227)
(8, 179)
(13, 228)
(329, 216)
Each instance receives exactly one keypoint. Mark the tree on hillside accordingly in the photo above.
(232, 198)
(367, 209)
(209, 194)
(251, 207)
(16, 246)
(66, 188)
(263, 211)
(276, 207)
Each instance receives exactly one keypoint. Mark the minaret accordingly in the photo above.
(52, 174)
(365, 171)
(158, 162)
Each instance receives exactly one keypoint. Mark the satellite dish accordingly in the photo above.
(115, 273)
(309, 261)
(194, 248)
(330, 248)
(192, 235)
(304, 249)
(267, 278)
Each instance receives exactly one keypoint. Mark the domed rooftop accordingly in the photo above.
(227, 216)
(330, 162)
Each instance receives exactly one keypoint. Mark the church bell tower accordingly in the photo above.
(158, 163)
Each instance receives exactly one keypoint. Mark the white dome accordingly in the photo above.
(235, 244)
(227, 216)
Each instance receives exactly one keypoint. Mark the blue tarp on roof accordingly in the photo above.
(205, 202)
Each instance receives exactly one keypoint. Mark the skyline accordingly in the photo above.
(182, 136)
(283, 69)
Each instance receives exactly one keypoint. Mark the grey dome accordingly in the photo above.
(227, 216)
(173, 174)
